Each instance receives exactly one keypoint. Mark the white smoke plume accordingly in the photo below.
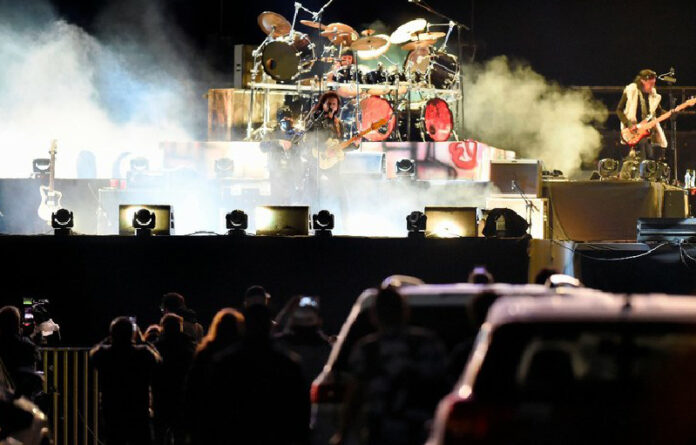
(509, 106)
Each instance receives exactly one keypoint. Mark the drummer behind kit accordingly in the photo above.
(410, 99)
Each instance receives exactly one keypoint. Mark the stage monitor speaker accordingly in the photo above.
(451, 222)
(282, 220)
(539, 224)
(666, 229)
(509, 177)
(363, 163)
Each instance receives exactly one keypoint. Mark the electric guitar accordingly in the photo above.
(50, 198)
(334, 149)
(632, 135)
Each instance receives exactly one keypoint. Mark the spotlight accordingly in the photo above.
(649, 170)
(629, 170)
(62, 222)
(224, 167)
(415, 224)
(406, 167)
(145, 219)
(282, 220)
(40, 167)
(607, 168)
(143, 222)
(236, 222)
(664, 171)
(323, 223)
(451, 222)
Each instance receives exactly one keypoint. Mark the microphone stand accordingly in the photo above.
(529, 205)
(460, 54)
(669, 79)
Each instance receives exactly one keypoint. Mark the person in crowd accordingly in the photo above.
(125, 370)
(152, 333)
(225, 332)
(177, 350)
(395, 377)
(480, 275)
(544, 275)
(256, 295)
(18, 355)
(303, 335)
(173, 302)
(260, 390)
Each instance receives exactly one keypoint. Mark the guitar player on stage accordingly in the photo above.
(638, 102)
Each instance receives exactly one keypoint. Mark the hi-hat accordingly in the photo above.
(406, 32)
(312, 24)
(369, 43)
(273, 24)
(340, 34)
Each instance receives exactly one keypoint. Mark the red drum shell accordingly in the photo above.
(437, 120)
(373, 109)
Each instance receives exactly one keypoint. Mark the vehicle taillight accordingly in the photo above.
(465, 422)
(326, 391)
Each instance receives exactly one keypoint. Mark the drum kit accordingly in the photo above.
(412, 96)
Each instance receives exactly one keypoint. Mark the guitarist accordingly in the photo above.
(640, 100)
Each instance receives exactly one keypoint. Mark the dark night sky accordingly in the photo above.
(575, 42)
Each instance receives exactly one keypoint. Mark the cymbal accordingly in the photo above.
(430, 35)
(340, 34)
(372, 54)
(405, 32)
(312, 24)
(418, 43)
(368, 43)
(273, 24)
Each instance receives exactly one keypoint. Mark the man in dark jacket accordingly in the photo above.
(18, 354)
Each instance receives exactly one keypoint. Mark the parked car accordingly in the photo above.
(446, 309)
(21, 421)
(584, 367)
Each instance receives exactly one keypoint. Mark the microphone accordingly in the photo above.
(668, 77)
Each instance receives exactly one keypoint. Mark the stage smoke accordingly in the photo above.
(509, 106)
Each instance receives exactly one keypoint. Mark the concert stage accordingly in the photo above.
(91, 279)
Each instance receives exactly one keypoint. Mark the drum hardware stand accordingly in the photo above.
(254, 72)
(460, 27)
(529, 205)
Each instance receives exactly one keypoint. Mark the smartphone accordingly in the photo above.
(134, 323)
(309, 302)
(27, 313)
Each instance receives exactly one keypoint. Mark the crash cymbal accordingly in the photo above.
(367, 32)
(406, 32)
(340, 34)
(430, 35)
(273, 24)
(375, 53)
(417, 44)
(312, 24)
(368, 43)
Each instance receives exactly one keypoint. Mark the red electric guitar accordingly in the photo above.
(632, 135)
(334, 149)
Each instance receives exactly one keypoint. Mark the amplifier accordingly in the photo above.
(666, 229)
(511, 176)
(539, 225)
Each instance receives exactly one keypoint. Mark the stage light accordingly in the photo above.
(236, 222)
(282, 220)
(451, 222)
(415, 224)
(648, 170)
(139, 164)
(323, 223)
(145, 219)
(406, 167)
(40, 167)
(607, 168)
(629, 170)
(62, 222)
(224, 167)
(664, 171)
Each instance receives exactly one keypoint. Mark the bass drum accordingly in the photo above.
(433, 121)
(286, 58)
(373, 109)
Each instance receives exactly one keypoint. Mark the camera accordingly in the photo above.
(37, 323)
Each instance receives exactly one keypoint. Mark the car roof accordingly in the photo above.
(592, 306)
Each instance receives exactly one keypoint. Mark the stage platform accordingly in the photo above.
(91, 279)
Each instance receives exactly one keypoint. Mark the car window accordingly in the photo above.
(555, 361)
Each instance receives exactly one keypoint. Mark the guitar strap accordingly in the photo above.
(643, 107)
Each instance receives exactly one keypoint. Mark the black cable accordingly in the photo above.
(632, 257)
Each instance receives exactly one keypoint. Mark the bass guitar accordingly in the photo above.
(50, 198)
(333, 153)
(632, 135)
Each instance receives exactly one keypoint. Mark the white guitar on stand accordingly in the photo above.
(50, 198)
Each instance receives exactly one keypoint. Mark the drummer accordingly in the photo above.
(346, 59)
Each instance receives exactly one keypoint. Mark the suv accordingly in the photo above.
(595, 368)
(445, 309)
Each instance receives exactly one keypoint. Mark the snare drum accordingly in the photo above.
(376, 77)
(430, 122)
(285, 58)
(373, 109)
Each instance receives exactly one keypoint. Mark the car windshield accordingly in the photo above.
(451, 323)
(558, 361)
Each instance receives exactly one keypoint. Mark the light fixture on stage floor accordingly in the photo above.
(451, 222)
(224, 168)
(62, 222)
(145, 219)
(282, 220)
(415, 224)
(629, 169)
(236, 222)
(648, 170)
(664, 171)
(406, 168)
(40, 167)
(323, 223)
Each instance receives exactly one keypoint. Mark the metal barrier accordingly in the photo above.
(72, 389)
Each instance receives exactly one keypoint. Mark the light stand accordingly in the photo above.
(460, 55)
